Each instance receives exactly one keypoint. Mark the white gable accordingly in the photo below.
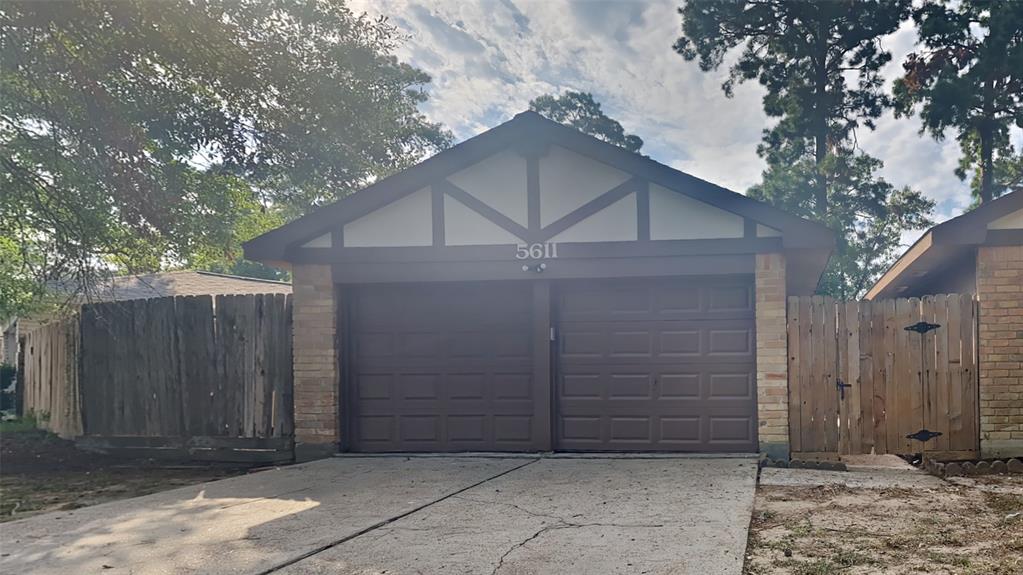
(405, 222)
(569, 180)
(498, 181)
(465, 227)
(675, 216)
(1013, 221)
(615, 223)
(323, 241)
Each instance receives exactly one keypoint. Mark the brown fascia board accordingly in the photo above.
(901, 266)
(534, 129)
(969, 229)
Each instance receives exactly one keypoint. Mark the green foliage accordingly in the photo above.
(141, 135)
(580, 111)
(820, 63)
(967, 77)
(19, 292)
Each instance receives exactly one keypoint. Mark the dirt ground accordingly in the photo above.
(40, 472)
(971, 526)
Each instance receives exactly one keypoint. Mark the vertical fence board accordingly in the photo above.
(955, 371)
(806, 373)
(795, 398)
(865, 312)
(828, 338)
(842, 376)
(853, 393)
(939, 396)
(970, 392)
(817, 381)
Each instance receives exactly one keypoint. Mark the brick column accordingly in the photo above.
(772, 357)
(1000, 348)
(316, 361)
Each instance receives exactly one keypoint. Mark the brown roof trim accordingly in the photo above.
(531, 127)
(969, 229)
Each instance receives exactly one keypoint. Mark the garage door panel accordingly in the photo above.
(669, 341)
(682, 298)
(680, 431)
(730, 386)
(442, 368)
(672, 372)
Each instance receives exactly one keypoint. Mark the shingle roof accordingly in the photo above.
(184, 283)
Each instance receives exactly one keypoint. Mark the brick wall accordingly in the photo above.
(1000, 345)
(772, 360)
(315, 360)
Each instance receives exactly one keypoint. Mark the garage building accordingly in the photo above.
(536, 289)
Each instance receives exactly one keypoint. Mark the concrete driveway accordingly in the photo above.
(414, 515)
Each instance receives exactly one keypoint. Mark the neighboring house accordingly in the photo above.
(146, 286)
(945, 259)
(980, 253)
(426, 305)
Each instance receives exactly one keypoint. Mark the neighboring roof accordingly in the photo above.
(532, 129)
(186, 282)
(946, 242)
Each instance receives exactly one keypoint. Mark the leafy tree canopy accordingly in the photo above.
(138, 135)
(967, 77)
(580, 111)
(820, 64)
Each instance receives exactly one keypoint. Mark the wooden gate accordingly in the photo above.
(887, 376)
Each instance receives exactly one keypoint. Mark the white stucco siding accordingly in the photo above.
(767, 232)
(675, 216)
(1013, 221)
(465, 227)
(569, 180)
(405, 222)
(615, 223)
(500, 182)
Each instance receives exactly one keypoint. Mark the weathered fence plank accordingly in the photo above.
(51, 377)
(188, 367)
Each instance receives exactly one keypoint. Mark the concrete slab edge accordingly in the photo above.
(553, 455)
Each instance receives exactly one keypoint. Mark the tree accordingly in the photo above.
(580, 111)
(820, 64)
(967, 77)
(139, 135)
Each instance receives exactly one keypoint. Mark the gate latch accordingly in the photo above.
(924, 435)
(922, 327)
(841, 387)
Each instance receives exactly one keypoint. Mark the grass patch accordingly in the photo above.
(19, 425)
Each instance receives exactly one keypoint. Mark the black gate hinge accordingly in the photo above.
(923, 435)
(922, 327)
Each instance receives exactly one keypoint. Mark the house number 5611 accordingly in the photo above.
(536, 251)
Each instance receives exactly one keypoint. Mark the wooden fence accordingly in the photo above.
(50, 373)
(197, 377)
(888, 376)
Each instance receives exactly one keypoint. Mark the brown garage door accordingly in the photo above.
(441, 367)
(659, 365)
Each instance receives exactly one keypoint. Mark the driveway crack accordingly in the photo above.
(562, 524)
(388, 521)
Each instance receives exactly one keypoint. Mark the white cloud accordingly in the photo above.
(488, 58)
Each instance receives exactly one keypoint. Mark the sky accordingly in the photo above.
(488, 58)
